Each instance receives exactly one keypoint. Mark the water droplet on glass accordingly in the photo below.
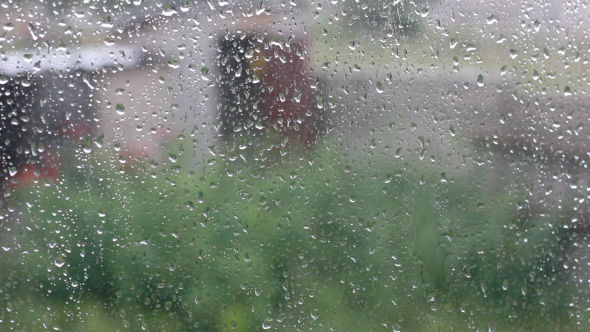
(315, 314)
(267, 324)
(379, 87)
(120, 109)
(492, 19)
(33, 32)
(204, 73)
(168, 11)
(503, 70)
(28, 57)
(173, 64)
(108, 41)
(255, 78)
(480, 80)
(453, 43)
(168, 305)
(513, 53)
(59, 261)
(87, 145)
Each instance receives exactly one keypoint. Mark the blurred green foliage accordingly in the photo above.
(400, 17)
(329, 240)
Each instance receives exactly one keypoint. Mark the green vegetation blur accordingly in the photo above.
(335, 239)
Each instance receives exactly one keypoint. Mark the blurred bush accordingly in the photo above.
(336, 240)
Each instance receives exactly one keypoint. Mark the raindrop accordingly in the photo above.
(120, 109)
(388, 178)
(87, 146)
(267, 324)
(453, 43)
(168, 11)
(503, 70)
(204, 73)
(33, 32)
(513, 53)
(28, 57)
(379, 87)
(492, 19)
(480, 80)
(315, 314)
(173, 64)
(59, 261)
(168, 305)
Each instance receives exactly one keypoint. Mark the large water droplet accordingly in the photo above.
(379, 87)
(267, 324)
(480, 80)
(120, 109)
(59, 261)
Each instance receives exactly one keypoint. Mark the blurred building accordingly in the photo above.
(46, 97)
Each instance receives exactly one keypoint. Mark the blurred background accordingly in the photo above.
(352, 165)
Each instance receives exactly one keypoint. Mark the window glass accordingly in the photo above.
(342, 165)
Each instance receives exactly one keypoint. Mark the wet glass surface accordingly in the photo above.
(288, 166)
